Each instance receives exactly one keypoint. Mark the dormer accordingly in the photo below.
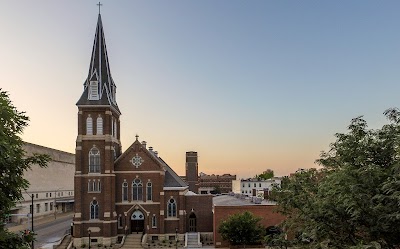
(93, 90)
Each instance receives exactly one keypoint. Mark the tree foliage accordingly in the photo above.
(268, 174)
(242, 229)
(13, 161)
(354, 199)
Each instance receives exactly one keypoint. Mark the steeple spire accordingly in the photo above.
(99, 87)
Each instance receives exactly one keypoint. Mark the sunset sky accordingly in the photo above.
(249, 85)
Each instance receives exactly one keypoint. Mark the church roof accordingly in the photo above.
(99, 70)
(171, 178)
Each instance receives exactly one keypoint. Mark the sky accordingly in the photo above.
(249, 85)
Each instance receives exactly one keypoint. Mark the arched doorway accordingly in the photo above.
(192, 222)
(137, 222)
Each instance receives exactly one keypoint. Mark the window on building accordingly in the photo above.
(255, 184)
(171, 208)
(249, 185)
(94, 185)
(149, 191)
(112, 127)
(120, 221)
(94, 210)
(115, 128)
(37, 196)
(99, 127)
(243, 185)
(94, 160)
(37, 208)
(47, 195)
(46, 207)
(30, 209)
(259, 185)
(137, 190)
(154, 221)
(50, 194)
(51, 206)
(94, 90)
(89, 125)
(125, 191)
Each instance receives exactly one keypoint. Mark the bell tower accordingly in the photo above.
(97, 146)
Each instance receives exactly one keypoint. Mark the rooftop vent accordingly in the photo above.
(144, 144)
(151, 149)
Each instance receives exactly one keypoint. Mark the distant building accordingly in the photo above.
(52, 187)
(252, 186)
(209, 183)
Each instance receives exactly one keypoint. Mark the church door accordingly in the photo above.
(192, 222)
(137, 222)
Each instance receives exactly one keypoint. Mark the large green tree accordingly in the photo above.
(354, 199)
(242, 229)
(13, 164)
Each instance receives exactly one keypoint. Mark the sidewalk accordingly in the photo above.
(39, 221)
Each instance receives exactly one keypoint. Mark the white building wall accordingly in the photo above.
(246, 186)
(47, 185)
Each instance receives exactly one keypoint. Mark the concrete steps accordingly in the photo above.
(133, 241)
(193, 240)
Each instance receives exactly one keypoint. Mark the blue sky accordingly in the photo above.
(250, 85)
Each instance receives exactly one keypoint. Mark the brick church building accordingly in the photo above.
(118, 193)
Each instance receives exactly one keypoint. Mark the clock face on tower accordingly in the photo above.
(137, 161)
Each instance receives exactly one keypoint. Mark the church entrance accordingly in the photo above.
(137, 222)
(192, 222)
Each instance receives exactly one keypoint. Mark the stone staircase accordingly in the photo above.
(193, 240)
(133, 241)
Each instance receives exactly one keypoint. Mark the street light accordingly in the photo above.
(32, 196)
(89, 238)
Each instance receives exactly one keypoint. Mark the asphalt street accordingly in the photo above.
(52, 232)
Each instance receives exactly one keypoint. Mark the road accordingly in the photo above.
(49, 233)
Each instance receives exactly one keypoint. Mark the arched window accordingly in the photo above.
(120, 221)
(112, 126)
(125, 191)
(115, 128)
(94, 210)
(89, 125)
(154, 221)
(99, 128)
(137, 190)
(171, 208)
(149, 191)
(94, 160)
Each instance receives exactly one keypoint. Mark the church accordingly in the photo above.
(119, 193)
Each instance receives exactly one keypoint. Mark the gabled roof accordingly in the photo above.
(171, 178)
(99, 70)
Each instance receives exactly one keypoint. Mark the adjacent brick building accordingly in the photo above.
(226, 205)
(210, 183)
(118, 193)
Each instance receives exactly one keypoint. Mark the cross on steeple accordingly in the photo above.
(99, 4)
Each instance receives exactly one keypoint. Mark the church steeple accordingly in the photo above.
(99, 87)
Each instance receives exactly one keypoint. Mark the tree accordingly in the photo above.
(353, 200)
(13, 164)
(268, 174)
(242, 229)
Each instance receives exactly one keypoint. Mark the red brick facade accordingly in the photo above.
(118, 194)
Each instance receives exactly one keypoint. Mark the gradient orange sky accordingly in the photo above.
(249, 85)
